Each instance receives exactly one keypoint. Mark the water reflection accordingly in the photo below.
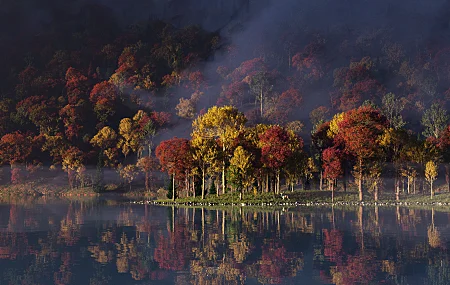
(103, 242)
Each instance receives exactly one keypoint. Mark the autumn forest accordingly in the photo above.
(234, 110)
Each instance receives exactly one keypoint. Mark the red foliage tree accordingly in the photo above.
(308, 62)
(332, 166)
(15, 148)
(355, 84)
(76, 85)
(175, 157)
(360, 131)
(71, 116)
(284, 105)
(160, 119)
(104, 96)
(275, 150)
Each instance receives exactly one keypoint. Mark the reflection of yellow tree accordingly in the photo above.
(127, 217)
(241, 249)
(434, 236)
(69, 230)
(206, 266)
(126, 251)
(100, 254)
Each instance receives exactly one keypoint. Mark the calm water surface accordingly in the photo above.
(105, 242)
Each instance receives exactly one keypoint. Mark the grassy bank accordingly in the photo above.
(307, 198)
(34, 189)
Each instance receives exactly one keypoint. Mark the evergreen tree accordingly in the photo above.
(98, 185)
(170, 188)
(212, 189)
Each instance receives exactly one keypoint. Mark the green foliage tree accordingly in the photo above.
(392, 108)
(434, 120)
(212, 188)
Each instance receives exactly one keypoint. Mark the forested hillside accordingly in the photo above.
(364, 86)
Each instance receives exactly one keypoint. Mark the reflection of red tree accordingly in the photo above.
(273, 264)
(63, 275)
(7, 253)
(13, 245)
(359, 269)
(16, 218)
(333, 240)
(173, 251)
(158, 275)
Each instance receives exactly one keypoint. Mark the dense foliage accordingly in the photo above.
(89, 88)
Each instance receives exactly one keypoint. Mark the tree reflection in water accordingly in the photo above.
(98, 243)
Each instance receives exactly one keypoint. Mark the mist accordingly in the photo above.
(254, 29)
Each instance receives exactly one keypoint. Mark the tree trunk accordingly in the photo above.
(187, 185)
(147, 181)
(447, 176)
(376, 193)
(397, 190)
(278, 182)
(217, 188)
(173, 187)
(332, 191)
(321, 180)
(414, 186)
(203, 183)
(360, 181)
(409, 185)
(344, 179)
(223, 171)
(267, 183)
(261, 97)
(431, 188)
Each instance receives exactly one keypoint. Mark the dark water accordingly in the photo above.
(105, 242)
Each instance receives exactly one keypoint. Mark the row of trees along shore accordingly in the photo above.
(369, 143)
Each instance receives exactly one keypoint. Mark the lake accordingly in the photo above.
(111, 242)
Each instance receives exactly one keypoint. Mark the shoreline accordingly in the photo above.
(304, 199)
(299, 198)
(296, 204)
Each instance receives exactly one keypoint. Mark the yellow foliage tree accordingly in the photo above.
(431, 173)
(241, 168)
(127, 142)
(72, 159)
(334, 125)
(134, 135)
(106, 139)
(128, 173)
(206, 154)
(223, 124)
